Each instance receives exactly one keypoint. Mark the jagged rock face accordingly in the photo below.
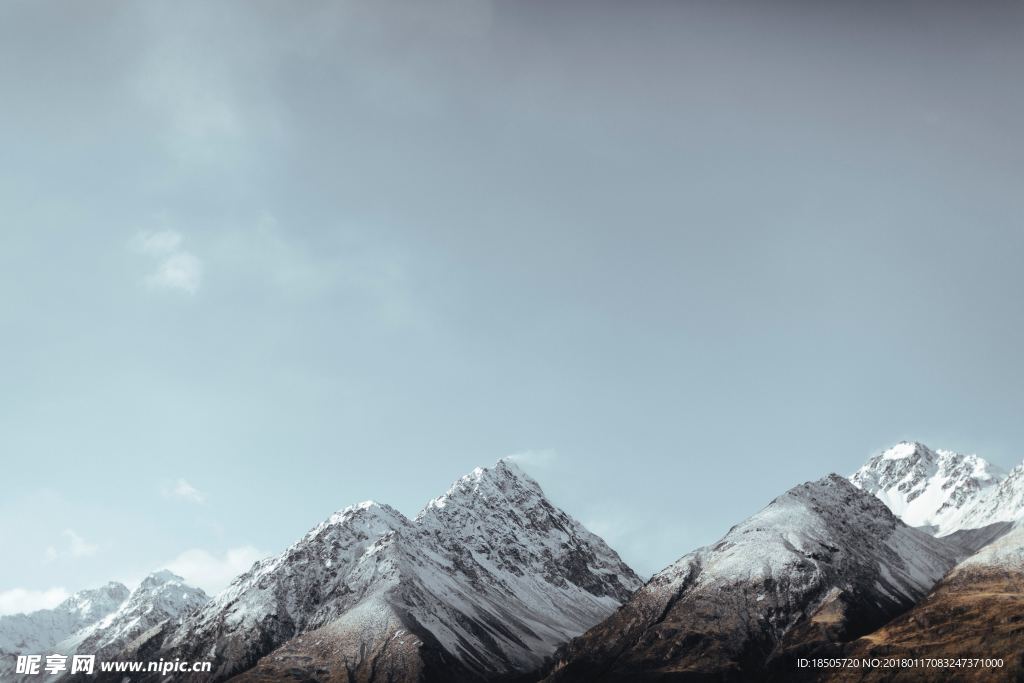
(331, 569)
(484, 583)
(1004, 503)
(977, 610)
(161, 597)
(822, 564)
(40, 631)
(942, 490)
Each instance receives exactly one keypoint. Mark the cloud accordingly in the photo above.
(159, 243)
(19, 600)
(183, 490)
(78, 546)
(539, 459)
(75, 547)
(177, 268)
(211, 572)
(180, 270)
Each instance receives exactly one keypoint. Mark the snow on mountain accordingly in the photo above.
(821, 564)
(940, 489)
(486, 581)
(497, 530)
(1004, 553)
(978, 605)
(43, 628)
(38, 632)
(98, 621)
(1004, 502)
(162, 596)
(341, 562)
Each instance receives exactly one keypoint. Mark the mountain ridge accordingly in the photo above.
(820, 564)
(484, 582)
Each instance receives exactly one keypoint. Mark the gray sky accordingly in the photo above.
(259, 261)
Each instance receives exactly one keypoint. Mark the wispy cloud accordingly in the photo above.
(159, 243)
(541, 459)
(212, 572)
(75, 546)
(18, 600)
(176, 268)
(184, 490)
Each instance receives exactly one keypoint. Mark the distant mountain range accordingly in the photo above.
(834, 569)
(103, 621)
(920, 553)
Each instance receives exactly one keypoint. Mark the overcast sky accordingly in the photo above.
(259, 261)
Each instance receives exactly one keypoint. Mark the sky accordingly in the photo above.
(260, 261)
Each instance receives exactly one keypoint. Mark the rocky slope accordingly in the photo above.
(484, 583)
(39, 632)
(162, 597)
(941, 490)
(977, 610)
(822, 564)
(1005, 502)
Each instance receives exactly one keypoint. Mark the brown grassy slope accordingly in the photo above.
(977, 612)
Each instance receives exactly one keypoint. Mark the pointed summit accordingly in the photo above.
(820, 564)
(928, 488)
(501, 481)
(484, 583)
(160, 578)
(41, 630)
(162, 597)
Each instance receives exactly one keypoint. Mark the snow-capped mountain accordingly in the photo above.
(821, 564)
(38, 632)
(100, 621)
(926, 488)
(162, 596)
(485, 582)
(1004, 502)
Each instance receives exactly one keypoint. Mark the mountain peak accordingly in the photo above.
(503, 480)
(160, 578)
(928, 488)
(92, 602)
(161, 596)
(907, 449)
(822, 563)
(489, 577)
(368, 511)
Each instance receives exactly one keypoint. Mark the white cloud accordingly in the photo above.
(184, 490)
(181, 270)
(78, 546)
(211, 572)
(539, 459)
(24, 600)
(75, 547)
(159, 243)
(177, 268)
